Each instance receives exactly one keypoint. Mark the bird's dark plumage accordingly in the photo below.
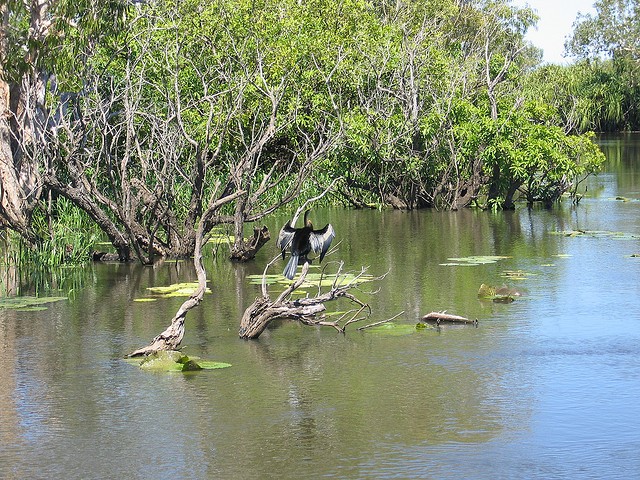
(301, 241)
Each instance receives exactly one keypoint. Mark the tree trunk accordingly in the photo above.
(244, 250)
(171, 337)
(19, 186)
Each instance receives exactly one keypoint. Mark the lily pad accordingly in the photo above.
(312, 279)
(28, 303)
(269, 279)
(176, 290)
(501, 294)
(516, 274)
(392, 329)
(597, 234)
(220, 238)
(473, 260)
(34, 308)
(210, 365)
(174, 361)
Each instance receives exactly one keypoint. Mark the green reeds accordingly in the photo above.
(65, 239)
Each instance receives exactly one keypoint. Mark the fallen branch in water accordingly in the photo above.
(308, 310)
(442, 317)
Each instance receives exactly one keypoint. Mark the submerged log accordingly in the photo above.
(441, 317)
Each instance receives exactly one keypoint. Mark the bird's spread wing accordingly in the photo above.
(285, 236)
(320, 240)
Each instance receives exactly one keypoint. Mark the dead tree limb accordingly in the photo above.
(171, 338)
(308, 310)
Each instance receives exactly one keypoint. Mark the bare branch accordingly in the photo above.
(263, 310)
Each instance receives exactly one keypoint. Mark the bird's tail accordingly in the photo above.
(290, 269)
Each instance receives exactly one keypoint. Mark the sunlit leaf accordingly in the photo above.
(31, 309)
(516, 274)
(210, 365)
(269, 279)
(312, 280)
(218, 238)
(176, 290)
(597, 234)
(501, 294)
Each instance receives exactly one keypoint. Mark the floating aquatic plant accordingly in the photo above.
(597, 234)
(216, 238)
(174, 361)
(28, 304)
(312, 279)
(516, 274)
(473, 260)
(393, 329)
(501, 294)
(175, 290)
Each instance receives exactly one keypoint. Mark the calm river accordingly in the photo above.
(546, 387)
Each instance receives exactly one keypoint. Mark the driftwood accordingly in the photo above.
(442, 317)
(306, 310)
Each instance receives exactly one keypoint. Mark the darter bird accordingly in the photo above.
(301, 241)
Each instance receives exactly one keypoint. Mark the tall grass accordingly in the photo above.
(67, 237)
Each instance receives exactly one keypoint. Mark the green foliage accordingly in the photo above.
(527, 152)
(59, 40)
(419, 104)
(68, 236)
(600, 95)
(614, 30)
(607, 88)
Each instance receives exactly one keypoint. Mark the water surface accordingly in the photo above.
(545, 387)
